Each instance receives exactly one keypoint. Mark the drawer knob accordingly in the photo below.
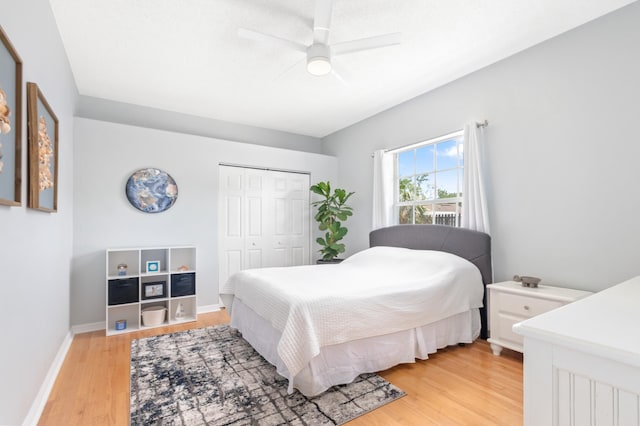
(526, 308)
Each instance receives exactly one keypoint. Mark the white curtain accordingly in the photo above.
(474, 210)
(382, 189)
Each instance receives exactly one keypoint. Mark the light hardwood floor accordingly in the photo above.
(465, 385)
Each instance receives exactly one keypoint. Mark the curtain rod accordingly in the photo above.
(479, 125)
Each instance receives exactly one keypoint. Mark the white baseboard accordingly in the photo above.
(87, 328)
(35, 411)
(208, 308)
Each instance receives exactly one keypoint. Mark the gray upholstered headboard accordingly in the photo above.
(471, 245)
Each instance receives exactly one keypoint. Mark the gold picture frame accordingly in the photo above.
(42, 130)
(10, 123)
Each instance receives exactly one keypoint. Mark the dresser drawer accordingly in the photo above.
(525, 306)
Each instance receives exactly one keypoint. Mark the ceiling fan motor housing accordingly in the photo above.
(319, 59)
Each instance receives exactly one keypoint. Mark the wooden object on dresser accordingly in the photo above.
(510, 303)
(582, 362)
(141, 278)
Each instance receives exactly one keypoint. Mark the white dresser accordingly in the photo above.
(510, 302)
(582, 361)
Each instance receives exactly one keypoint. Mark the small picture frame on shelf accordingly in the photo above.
(154, 290)
(153, 266)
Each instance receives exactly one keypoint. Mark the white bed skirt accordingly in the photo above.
(341, 363)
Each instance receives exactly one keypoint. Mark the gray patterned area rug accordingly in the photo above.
(212, 376)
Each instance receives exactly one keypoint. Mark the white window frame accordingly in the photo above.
(457, 201)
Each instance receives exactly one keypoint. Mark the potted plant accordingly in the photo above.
(332, 209)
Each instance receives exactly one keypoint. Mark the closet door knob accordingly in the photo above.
(526, 308)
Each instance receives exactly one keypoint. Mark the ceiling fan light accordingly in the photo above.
(318, 59)
(319, 65)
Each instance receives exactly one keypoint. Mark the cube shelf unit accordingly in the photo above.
(133, 288)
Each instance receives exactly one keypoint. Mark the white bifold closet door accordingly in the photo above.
(263, 219)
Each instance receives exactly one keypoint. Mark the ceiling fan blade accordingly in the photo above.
(322, 21)
(366, 43)
(341, 75)
(288, 69)
(270, 39)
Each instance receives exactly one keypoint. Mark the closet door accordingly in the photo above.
(231, 232)
(290, 238)
(253, 216)
(263, 219)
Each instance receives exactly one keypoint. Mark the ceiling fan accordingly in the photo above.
(320, 52)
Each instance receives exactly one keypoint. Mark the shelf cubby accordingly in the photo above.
(177, 265)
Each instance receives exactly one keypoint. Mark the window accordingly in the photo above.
(429, 181)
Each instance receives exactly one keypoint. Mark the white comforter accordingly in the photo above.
(377, 291)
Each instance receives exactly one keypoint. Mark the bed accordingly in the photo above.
(418, 288)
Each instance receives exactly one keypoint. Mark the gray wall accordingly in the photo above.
(35, 247)
(119, 112)
(562, 149)
(105, 156)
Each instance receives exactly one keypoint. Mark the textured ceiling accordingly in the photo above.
(186, 55)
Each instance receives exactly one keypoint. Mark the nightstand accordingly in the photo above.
(510, 302)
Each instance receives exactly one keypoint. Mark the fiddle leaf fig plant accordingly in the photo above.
(332, 209)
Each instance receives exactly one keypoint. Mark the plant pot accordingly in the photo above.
(328, 262)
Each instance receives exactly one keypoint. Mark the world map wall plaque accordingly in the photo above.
(151, 190)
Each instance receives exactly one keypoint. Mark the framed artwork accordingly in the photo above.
(153, 266)
(154, 290)
(10, 123)
(42, 126)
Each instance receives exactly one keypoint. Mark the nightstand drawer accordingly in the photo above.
(505, 328)
(525, 306)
